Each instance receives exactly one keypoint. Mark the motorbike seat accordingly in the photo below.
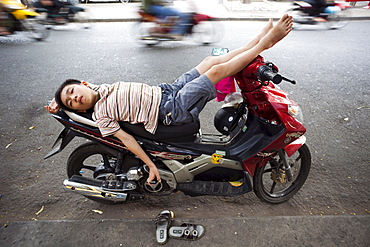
(146, 16)
(165, 133)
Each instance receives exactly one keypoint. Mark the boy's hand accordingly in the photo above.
(153, 175)
(53, 107)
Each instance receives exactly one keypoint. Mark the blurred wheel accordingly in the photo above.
(207, 32)
(37, 31)
(82, 18)
(141, 33)
(337, 20)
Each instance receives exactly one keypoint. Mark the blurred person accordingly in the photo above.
(3, 30)
(53, 6)
(174, 104)
(318, 8)
(161, 10)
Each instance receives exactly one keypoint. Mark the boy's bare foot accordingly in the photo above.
(262, 34)
(266, 29)
(278, 32)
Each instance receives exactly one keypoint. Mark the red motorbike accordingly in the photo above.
(261, 147)
(151, 30)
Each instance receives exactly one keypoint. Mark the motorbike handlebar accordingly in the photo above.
(266, 73)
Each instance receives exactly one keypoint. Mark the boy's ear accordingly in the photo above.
(85, 83)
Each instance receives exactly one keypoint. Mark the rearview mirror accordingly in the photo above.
(219, 51)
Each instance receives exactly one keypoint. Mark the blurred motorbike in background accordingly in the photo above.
(151, 30)
(334, 15)
(68, 12)
(17, 18)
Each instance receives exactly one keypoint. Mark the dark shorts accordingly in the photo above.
(185, 98)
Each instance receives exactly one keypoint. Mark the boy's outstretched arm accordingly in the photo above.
(130, 142)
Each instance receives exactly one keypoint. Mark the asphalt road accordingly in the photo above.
(331, 69)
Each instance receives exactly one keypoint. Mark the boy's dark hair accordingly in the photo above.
(59, 91)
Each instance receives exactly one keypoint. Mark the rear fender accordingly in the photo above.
(343, 6)
(302, 4)
(22, 14)
(294, 146)
(201, 17)
(65, 137)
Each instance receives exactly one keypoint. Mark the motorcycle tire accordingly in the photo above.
(141, 33)
(337, 20)
(82, 18)
(85, 160)
(38, 31)
(273, 188)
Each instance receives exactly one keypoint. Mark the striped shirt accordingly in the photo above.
(129, 102)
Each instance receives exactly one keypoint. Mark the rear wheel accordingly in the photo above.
(207, 32)
(91, 161)
(270, 182)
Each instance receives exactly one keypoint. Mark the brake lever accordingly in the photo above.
(288, 80)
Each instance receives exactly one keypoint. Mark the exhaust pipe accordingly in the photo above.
(91, 188)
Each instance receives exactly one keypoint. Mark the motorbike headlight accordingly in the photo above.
(296, 112)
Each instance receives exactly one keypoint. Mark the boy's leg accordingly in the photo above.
(207, 63)
(237, 63)
(184, 105)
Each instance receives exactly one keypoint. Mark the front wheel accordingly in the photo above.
(337, 20)
(271, 183)
(141, 32)
(81, 18)
(39, 32)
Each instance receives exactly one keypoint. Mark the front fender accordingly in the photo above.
(294, 146)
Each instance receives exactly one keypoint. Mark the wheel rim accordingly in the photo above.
(275, 183)
(206, 32)
(141, 32)
(81, 18)
(39, 32)
(93, 165)
(337, 20)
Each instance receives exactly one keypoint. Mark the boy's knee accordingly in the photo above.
(216, 73)
(211, 61)
(208, 59)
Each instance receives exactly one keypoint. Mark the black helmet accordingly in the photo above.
(226, 119)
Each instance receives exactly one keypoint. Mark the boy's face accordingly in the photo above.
(79, 97)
